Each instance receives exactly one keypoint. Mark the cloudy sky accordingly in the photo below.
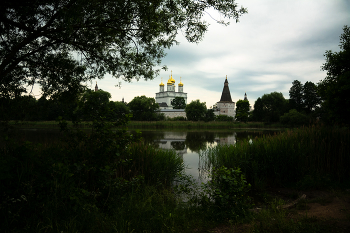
(278, 41)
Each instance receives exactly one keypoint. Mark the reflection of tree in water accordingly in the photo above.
(197, 141)
(152, 137)
(178, 145)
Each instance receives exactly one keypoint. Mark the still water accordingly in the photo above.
(188, 144)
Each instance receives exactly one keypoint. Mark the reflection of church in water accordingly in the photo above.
(174, 141)
(181, 142)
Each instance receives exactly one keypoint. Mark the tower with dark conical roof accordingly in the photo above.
(226, 95)
(226, 106)
(245, 96)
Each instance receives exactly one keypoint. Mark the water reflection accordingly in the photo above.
(189, 144)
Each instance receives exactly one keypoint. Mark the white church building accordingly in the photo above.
(164, 98)
(224, 107)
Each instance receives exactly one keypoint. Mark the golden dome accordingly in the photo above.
(181, 84)
(161, 83)
(169, 82)
(171, 78)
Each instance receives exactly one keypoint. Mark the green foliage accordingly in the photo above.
(178, 103)
(179, 118)
(224, 118)
(274, 106)
(287, 158)
(242, 110)
(143, 108)
(334, 89)
(195, 111)
(61, 44)
(311, 97)
(228, 190)
(93, 105)
(296, 94)
(294, 118)
(209, 115)
(258, 112)
(84, 182)
(116, 110)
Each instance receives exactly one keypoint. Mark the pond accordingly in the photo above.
(187, 144)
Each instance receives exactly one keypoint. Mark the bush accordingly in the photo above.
(179, 118)
(228, 190)
(223, 118)
(294, 118)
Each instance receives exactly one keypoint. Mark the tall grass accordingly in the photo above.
(84, 184)
(309, 154)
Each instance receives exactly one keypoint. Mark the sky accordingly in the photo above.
(275, 43)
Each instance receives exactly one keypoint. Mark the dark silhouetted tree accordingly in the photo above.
(335, 88)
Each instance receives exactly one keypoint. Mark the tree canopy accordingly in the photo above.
(143, 108)
(310, 96)
(178, 103)
(275, 105)
(335, 88)
(296, 100)
(242, 110)
(93, 104)
(196, 111)
(62, 43)
(258, 112)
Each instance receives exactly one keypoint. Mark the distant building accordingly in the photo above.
(225, 106)
(96, 87)
(164, 98)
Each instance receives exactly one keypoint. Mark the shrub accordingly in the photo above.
(228, 190)
(294, 118)
(223, 118)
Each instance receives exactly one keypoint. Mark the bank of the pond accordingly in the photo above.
(174, 125)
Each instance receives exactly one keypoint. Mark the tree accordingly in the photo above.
(258, 112)
(335, 88)
(296, 96)
(195, 111)
(178, 103)
(209, 115)
(310, 97)
(242, 110)
(93, 105)
(143, 108)
(117, 111)
(60, 44)
(274, 106)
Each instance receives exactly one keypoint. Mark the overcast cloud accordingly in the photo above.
(277, 42)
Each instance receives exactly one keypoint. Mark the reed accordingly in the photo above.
(76, 185)
(305, 154)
